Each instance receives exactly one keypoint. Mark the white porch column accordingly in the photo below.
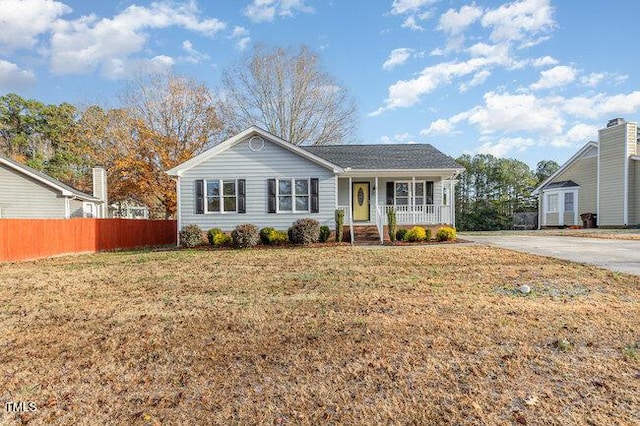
(379, 220)
(413, 198)
(350, 208)
(452, 201)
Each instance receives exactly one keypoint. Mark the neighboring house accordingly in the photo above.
(256, 177)
(26, 193)
(602, 178)
(129, 209)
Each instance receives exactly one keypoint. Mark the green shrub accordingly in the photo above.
(400, 233)
(264, 234)
(305, 231)
(277, 237)
(212, 233)
(245, 236)
(446, 233)
(339, 216)
(417, 233)
(429, 234)
(290, 233)
(191, 236)
(393, 225)
(221, 240)
(324, 233)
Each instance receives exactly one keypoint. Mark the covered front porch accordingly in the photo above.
(417, 199)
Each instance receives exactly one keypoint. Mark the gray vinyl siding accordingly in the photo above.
(239, 162)
(21, 197)
(612, 169)
(569, 219)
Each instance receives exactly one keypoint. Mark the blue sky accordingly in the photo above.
(527, 79)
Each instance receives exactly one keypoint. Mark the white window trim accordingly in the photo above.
(89, 210)
(206, 197)
(560, 212)
(293, 195)
(411, 196)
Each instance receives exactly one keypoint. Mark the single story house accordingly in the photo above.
(256, 177)
(26, 193)
(602, 178)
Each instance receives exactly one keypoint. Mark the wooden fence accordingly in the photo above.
(36, 238)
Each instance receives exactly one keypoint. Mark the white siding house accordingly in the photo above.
(256, 177)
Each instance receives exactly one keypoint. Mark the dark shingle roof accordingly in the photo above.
(561, 184)
(51, 180)
(392, 157)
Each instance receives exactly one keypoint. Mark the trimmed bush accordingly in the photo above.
(212, 233)
(339, 216)
(191, 236)
(429, 235)
(290, 233)
(277, 237)
(305, 231)
(245, 236)
(264, 234)
(446, 233)
(393, 225)
(415, 234)
(400, 233)
(221, 240)
(324, 233)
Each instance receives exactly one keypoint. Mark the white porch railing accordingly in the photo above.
(419, 215)
(380, 216)
(348, 219)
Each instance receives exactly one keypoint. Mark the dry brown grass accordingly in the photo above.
(407, 335)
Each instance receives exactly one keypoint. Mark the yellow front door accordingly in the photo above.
(361, 201)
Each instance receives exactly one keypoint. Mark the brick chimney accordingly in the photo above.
(100, 190)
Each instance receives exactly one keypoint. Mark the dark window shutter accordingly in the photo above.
(390, 193)
(271, 202)
(199, 196)
(315, 201)
(242, 196)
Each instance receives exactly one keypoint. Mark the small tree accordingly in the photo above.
(393, 226)
(339, 224)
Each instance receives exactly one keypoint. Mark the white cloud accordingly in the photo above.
(400, 7)
(544, 61)
(438, 127)
(266, 10)
(194, 55)
(579, 133)
(505, 145)
(558, 76)
(241, 36)
(411, 23)
(478, 79)
(406, 93)
(519, 20)
(395, 139)
(455, 22)
(22, 21)
(89, 43)
(397, 57)
(595, 78)
(12, 77)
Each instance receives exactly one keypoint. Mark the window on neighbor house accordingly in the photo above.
(552, 203)
(568, 202)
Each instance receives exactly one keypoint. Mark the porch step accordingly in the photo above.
(364, 234)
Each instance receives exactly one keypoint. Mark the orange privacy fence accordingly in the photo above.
(33, 238)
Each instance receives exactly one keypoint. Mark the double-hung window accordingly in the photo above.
(220, 196)
(293, 195)
(422, 195)
(568, 202)
(552, 203)
(224, 201)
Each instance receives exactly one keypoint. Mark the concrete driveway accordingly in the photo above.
(615, 255)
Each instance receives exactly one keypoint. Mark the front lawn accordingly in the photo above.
(427, 334)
